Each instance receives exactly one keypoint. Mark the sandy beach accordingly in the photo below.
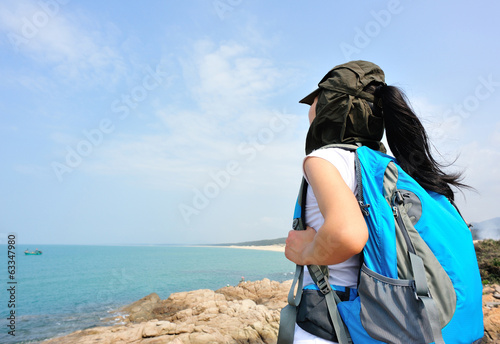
(276, 248)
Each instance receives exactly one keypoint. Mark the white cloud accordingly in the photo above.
(226, 117)
(481, 159)
(52, 33)
(495, 137)
(227, 80)
(444, 128)
(194, 147)
(218, 115)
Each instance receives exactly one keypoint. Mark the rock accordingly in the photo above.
(491, 312)
(491, 326)
(142, 310)
(488, 289)
(206, 338)
(265, 292)
(247, 313)
(492, 304)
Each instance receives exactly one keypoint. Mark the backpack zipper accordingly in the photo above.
(397, 201)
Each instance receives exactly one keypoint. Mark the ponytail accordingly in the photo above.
(409, 142)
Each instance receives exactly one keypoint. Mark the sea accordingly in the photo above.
(70, 287)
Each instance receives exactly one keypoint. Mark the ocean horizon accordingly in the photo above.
(74, 287)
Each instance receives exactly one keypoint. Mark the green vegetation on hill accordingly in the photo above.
(488, 258)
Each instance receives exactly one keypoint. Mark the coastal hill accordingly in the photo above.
(489, 229)
(269, 242)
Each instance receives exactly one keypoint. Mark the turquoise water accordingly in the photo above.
(68, 288)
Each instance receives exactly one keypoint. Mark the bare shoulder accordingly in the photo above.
(318, 167)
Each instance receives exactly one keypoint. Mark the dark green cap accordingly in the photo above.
(343, 112)
(349, 78)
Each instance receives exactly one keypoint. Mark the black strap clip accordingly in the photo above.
(364, 208)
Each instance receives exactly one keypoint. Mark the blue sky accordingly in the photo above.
(178, 122)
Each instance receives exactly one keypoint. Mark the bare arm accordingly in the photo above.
(344, 232)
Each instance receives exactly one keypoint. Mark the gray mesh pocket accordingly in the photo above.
(390, 310)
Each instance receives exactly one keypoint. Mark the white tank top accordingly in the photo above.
(345, 273)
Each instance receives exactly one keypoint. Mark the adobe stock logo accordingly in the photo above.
(221, 179)
(94, 137)
(223, 7)
(364, 36)
(31, 27)
(454, 116)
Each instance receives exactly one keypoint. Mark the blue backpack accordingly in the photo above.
(419, 281)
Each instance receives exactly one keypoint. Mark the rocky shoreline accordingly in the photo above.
(246, 313)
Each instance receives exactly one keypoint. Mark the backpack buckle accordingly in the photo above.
(398, 197)
(364, 208)
(298, 224)
(323, 285)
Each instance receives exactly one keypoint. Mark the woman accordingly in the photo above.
(353, 105)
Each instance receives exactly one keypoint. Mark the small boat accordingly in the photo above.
(33, 253)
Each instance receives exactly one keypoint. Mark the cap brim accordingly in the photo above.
(309, 99)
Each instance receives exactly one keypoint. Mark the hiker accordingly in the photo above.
(352, 105)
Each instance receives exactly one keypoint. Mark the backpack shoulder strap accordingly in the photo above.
(288, 315)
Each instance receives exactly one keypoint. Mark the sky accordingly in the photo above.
(178, 122)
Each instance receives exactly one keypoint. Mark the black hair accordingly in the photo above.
(409, 142)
